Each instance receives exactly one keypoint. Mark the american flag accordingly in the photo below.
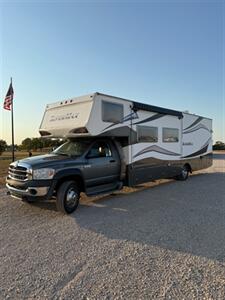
(9, 98)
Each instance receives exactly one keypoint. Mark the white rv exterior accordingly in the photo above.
(154, 139)
(112, 142)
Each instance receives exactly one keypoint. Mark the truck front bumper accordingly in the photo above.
(31, 190)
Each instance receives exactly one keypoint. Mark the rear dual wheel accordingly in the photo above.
(67, 198)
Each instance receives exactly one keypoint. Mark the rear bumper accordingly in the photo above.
(34, 189)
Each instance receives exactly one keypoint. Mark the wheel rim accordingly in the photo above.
(71, 198)
(184, 173)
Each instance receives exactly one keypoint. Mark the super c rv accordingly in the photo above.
(111, 142)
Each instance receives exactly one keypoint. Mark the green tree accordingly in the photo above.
(219, 146)
(3, 146)
(36, 143)
(26, 144)
(29, 144)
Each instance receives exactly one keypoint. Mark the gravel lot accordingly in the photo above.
(166, 241)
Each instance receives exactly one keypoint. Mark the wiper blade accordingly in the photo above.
(62, 153)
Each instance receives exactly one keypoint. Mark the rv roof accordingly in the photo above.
(136, 105)
(70, 101)
(143, 106)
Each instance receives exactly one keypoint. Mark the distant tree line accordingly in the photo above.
(219, 146)
(3, 146)
(38, 144)
(31, 144)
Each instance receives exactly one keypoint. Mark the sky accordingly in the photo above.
(164, 53)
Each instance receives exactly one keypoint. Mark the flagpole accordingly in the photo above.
(13, 156)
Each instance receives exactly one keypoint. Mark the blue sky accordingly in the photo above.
(165, 53)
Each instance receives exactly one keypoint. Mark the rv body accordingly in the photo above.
(127, 143)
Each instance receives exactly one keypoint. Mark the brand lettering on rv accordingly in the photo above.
(188, 144)
(67, 116)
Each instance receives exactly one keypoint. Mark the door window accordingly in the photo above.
(100, 149)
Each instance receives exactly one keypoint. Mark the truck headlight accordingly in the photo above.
(45, 173)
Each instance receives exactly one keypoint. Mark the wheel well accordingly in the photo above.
(188, 166)
(77, 178)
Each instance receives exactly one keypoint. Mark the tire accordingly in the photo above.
(184, 174)
(67, 198)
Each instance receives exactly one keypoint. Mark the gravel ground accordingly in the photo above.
(166, 241)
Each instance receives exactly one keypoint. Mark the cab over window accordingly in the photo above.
(112, 112)
(100, 149)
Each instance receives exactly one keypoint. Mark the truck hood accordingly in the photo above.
(49, 160)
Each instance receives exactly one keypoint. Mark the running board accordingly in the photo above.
(104, 188)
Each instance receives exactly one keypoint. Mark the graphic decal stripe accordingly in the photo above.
(202, 150)
(199, 126)
(155, 117)
(157, 149)
(119, 131)
(194, 123)
(129, 117)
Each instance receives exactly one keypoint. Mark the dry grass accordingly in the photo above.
(4, 164)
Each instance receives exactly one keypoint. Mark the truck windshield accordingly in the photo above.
(72, 148)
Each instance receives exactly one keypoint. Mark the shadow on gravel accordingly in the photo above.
(49, 205)
(183, 216)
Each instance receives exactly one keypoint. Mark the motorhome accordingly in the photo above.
(110, 142)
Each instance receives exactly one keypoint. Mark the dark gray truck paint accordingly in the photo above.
(94, 174)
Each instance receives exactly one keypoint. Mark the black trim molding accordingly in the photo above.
(152, 118)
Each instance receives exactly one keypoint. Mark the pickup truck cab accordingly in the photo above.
(86, 165)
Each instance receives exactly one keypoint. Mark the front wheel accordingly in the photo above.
(184, 174)
(67, 198)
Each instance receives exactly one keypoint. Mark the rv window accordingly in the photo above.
(170, 135)
(112, 112)
(99, 149)
(147, 134)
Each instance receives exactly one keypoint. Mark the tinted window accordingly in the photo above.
(100, 149)
(147, 134)
(112, 112)
(170, 135)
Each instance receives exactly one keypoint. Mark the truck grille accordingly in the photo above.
(18, 173)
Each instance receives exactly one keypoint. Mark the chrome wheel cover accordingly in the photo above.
(184, 173)
(71, 197)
